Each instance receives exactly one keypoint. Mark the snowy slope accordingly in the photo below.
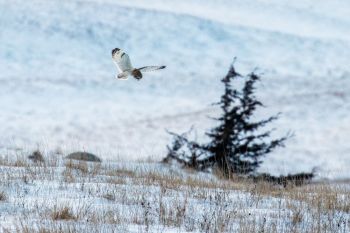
(58, 89)
(75, 196)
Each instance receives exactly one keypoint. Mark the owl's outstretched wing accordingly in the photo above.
(150, 68)
(122, 62)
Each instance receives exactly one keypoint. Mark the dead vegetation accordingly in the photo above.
(90, 197)
(3, 196)
(36, 157)
(62, 213)
(81, 166)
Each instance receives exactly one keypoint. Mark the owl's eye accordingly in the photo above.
(116, 50)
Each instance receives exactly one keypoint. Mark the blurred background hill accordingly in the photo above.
(57, 86)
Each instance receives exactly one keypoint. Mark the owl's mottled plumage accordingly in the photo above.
(122, 61)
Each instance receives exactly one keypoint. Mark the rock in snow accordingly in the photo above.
(85, 156)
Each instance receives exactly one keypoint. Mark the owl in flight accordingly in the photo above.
(125, 68)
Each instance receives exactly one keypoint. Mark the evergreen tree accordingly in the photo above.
(236, 144)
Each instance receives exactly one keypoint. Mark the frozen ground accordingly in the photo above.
(57, 86)
(70, 196)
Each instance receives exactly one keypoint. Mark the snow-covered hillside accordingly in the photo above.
(57, 86)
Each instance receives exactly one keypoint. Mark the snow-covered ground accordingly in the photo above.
(72, 196)
(57, 86)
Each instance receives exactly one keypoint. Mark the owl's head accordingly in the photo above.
(116, 51)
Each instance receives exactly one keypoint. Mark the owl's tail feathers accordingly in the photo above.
(150, 68)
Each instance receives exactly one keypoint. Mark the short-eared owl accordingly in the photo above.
(125, 68)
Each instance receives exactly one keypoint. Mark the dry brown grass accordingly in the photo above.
(23, 228)
(119, 195)
(68, 176)
(325, 197)
(62, 213)
(120, 172)
(176, 181)
(81, 166)
(20, 161)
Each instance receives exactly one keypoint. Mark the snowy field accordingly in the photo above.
(61, 196)
(58, 92)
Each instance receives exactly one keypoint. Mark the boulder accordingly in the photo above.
(84, 156)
